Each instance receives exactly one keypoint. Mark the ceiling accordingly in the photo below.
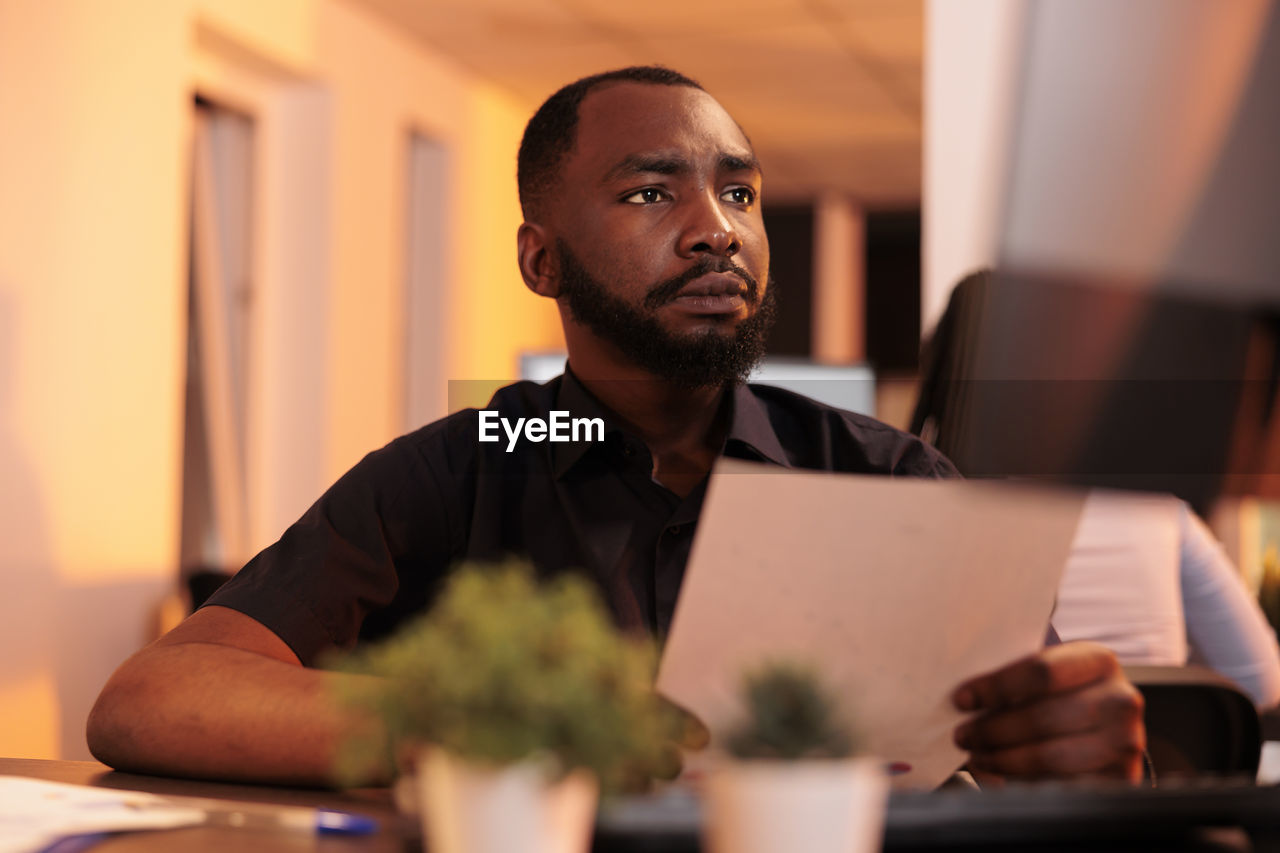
(828, 90)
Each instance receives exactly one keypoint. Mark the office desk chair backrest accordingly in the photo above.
(1198, 723)
(1103, 382)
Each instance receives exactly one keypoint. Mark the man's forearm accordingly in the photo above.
(219, 712)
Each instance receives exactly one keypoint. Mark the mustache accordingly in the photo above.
(666, 291)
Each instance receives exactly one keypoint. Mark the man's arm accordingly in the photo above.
(222, 697)
(1065, 712)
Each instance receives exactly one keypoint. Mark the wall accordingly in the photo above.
(91, 242)
(94, 124)
(492, 315)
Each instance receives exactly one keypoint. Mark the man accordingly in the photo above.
(642, 204)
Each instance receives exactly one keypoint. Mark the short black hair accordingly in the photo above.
(550, 134)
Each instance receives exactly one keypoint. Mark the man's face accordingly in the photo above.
(661, 247)
(698, 359)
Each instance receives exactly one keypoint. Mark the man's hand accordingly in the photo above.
(1065, 712)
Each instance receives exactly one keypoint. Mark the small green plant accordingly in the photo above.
(505, 669)
(789, 716)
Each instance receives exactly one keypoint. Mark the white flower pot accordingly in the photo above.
(470, 808)
(777, 806)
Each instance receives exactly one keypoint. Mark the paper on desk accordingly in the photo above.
(34, 814)
(895, 589)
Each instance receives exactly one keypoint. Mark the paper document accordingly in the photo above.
(895, 590)
(34, 814)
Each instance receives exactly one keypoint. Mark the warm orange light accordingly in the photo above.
(29, 716)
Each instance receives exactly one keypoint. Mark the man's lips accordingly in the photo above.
(714, 284)
(708, 278)
(713, 293)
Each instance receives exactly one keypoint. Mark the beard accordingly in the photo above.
(706, 358)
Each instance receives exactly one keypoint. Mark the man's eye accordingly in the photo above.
(648, 195)
(739, 195)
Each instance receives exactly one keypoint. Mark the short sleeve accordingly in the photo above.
(916, 458)
(387, 529)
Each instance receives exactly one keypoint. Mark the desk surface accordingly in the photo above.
(1061, 819)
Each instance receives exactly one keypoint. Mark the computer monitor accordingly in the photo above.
(1129, 338)
(1097, 384)
(851, 387)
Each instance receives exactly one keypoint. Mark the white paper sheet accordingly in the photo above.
(895, 589)
(35, 813)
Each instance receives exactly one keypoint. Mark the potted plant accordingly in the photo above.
(789, 779)
(517, 701)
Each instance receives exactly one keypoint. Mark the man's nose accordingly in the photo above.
(709, 230)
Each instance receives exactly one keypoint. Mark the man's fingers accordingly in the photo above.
(1095, 706)
(1093, 754)
(1053, 670)
(1066, 712)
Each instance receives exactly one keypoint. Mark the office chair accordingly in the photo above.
(1198, 722)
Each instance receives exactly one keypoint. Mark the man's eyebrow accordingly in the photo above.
(740, 163)
(661, 164)
(637, 164)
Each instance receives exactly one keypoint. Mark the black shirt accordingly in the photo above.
(376, 546)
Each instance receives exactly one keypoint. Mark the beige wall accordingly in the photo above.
(94, 126)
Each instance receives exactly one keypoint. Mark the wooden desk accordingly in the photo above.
(398, 833)
(1120, 821)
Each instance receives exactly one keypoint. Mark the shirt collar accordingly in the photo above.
(750, 426)
(573, 398)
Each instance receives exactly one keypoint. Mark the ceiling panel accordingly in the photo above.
(829, 90)
(880, 174)
(474, 21)
(891, 41)
(797, 58)
(712, 20)
(804, 131)
(820, 78)
(886, 9)
(537, 71)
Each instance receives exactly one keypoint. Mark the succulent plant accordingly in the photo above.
(789, 716)
(505, 669)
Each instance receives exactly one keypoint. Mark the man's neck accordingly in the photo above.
(683, 428)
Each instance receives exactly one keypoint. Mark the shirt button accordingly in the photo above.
(628, 451)
(675, 529)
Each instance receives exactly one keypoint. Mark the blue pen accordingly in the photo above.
(265, 816)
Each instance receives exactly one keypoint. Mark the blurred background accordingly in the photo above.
(243, 243)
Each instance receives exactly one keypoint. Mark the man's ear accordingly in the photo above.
(538, 266)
